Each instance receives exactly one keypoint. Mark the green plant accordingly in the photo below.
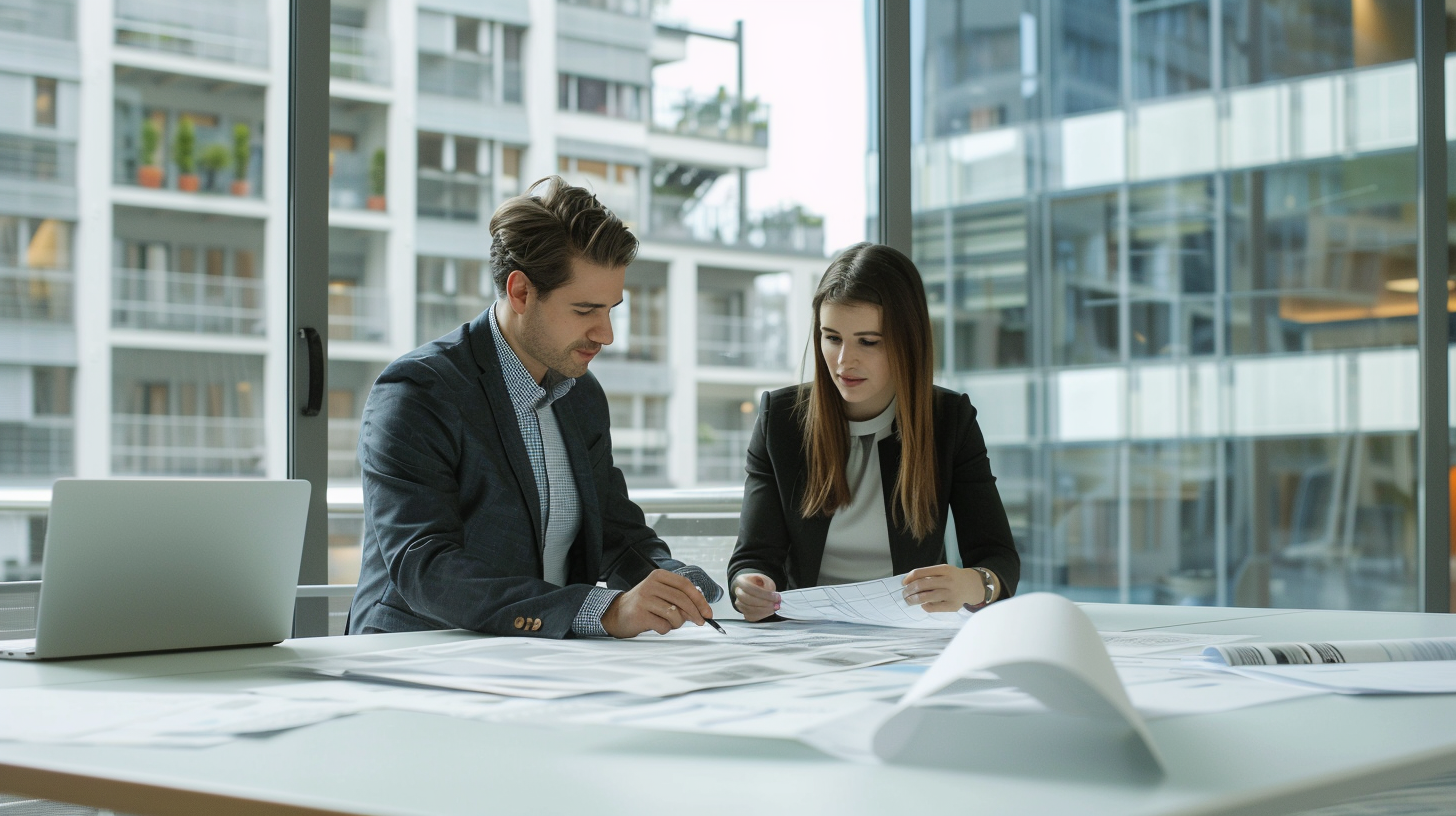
(376, 173)
(184, 146)
(214, 157)
(242, 150)
(151, 140)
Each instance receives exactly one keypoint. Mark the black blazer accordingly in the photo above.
(452, 524)
(776, 540)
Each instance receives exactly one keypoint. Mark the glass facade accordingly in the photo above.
(1170, 249)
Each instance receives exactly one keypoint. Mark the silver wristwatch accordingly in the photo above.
(990, 582)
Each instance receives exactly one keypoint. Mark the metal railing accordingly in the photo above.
(343, 448)
(236, 31)
(40, 446)
(643, 347)
(358, 313)
(718, 117)
(186, 301)
(452, 196)
(740, 342)
(348, 181)
(358, 55)
(439, 314)
(143, 444)
(37, 160)
(460, 77)
(55, 19)
(721, 455)
(37, 295)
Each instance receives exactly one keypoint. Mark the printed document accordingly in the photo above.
(878, 603)
(1347, 651)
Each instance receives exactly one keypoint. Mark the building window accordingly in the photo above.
(45, 102)
(619, 100)
(454, 175)
(615, 184)
(461, 56)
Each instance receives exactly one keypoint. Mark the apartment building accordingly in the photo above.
(141, 300)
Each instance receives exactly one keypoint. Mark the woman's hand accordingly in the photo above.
(755, 596)
(943, 588)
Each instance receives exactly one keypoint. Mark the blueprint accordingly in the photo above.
(878, 603)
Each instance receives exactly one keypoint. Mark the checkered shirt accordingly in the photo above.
(551, 467)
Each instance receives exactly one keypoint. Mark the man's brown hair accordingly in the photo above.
(541, 234)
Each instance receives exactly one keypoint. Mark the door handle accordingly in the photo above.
(315, 343)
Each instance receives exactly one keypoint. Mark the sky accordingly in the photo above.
(806, 60)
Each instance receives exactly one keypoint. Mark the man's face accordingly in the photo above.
(565, 329)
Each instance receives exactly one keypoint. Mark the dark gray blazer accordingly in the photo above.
(775, 539)
(452, 524)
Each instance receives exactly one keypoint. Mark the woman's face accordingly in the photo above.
(854, 351)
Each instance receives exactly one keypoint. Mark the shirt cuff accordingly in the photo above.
(588, 620)
(706, 585)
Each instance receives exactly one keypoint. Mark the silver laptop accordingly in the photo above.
(149, 565)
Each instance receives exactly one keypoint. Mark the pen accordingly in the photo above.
(651, 565)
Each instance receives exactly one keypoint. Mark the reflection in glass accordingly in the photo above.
(1085, 260)
(1172, 54)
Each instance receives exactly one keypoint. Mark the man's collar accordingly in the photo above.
(519, 382)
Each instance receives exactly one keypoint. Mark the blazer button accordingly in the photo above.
(536, 625)
(520, 623)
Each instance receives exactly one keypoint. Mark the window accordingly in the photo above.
(586, 95)
(45, 102)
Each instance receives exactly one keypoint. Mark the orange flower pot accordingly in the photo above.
(189, 182)
(375, 203)
(149, 175)
(241, 188)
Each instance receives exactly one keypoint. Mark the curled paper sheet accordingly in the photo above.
(1043, 645)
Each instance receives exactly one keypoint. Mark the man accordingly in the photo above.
(490, 498)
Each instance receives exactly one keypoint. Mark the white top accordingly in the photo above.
(858, 545)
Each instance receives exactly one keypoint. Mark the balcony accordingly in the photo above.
(632, 8)
(458, 77)
(55, 19)
(636, 348)
(344, 448)
(348, 181)
(450, 196)
(37, 295)
(439, 314)
(146, 445)
(740, 342)
(234, 32)
(37, 160)
(358, 56)
(718, 117)
(721, 455)
(42, 447)
(155, 300)
(357, 313)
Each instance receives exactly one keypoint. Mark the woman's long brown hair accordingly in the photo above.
(881, 276)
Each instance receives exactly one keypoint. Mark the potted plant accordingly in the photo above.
(214, 157)
(149, 174)
(242, 156)
(376, 182)
(184, 147)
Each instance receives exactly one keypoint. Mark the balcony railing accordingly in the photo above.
(186, 445)
(721, 455)
(460, 77)
(633, 8)
(439, 314)
(718, 117)
(348, 181)
(343, 448)
(358, 313)
(740, 342)
(186, 301)
(36, 295)
(642, 347)
(39, 18)
(42, 446)
(451, 196)
(37, 160)
(235, 31)
(357, 55)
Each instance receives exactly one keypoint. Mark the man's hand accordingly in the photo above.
(944, 588)
(755, 596)
(662, 602)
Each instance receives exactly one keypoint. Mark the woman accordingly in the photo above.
(850, 476)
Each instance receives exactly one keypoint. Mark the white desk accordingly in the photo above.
(1267, 759)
